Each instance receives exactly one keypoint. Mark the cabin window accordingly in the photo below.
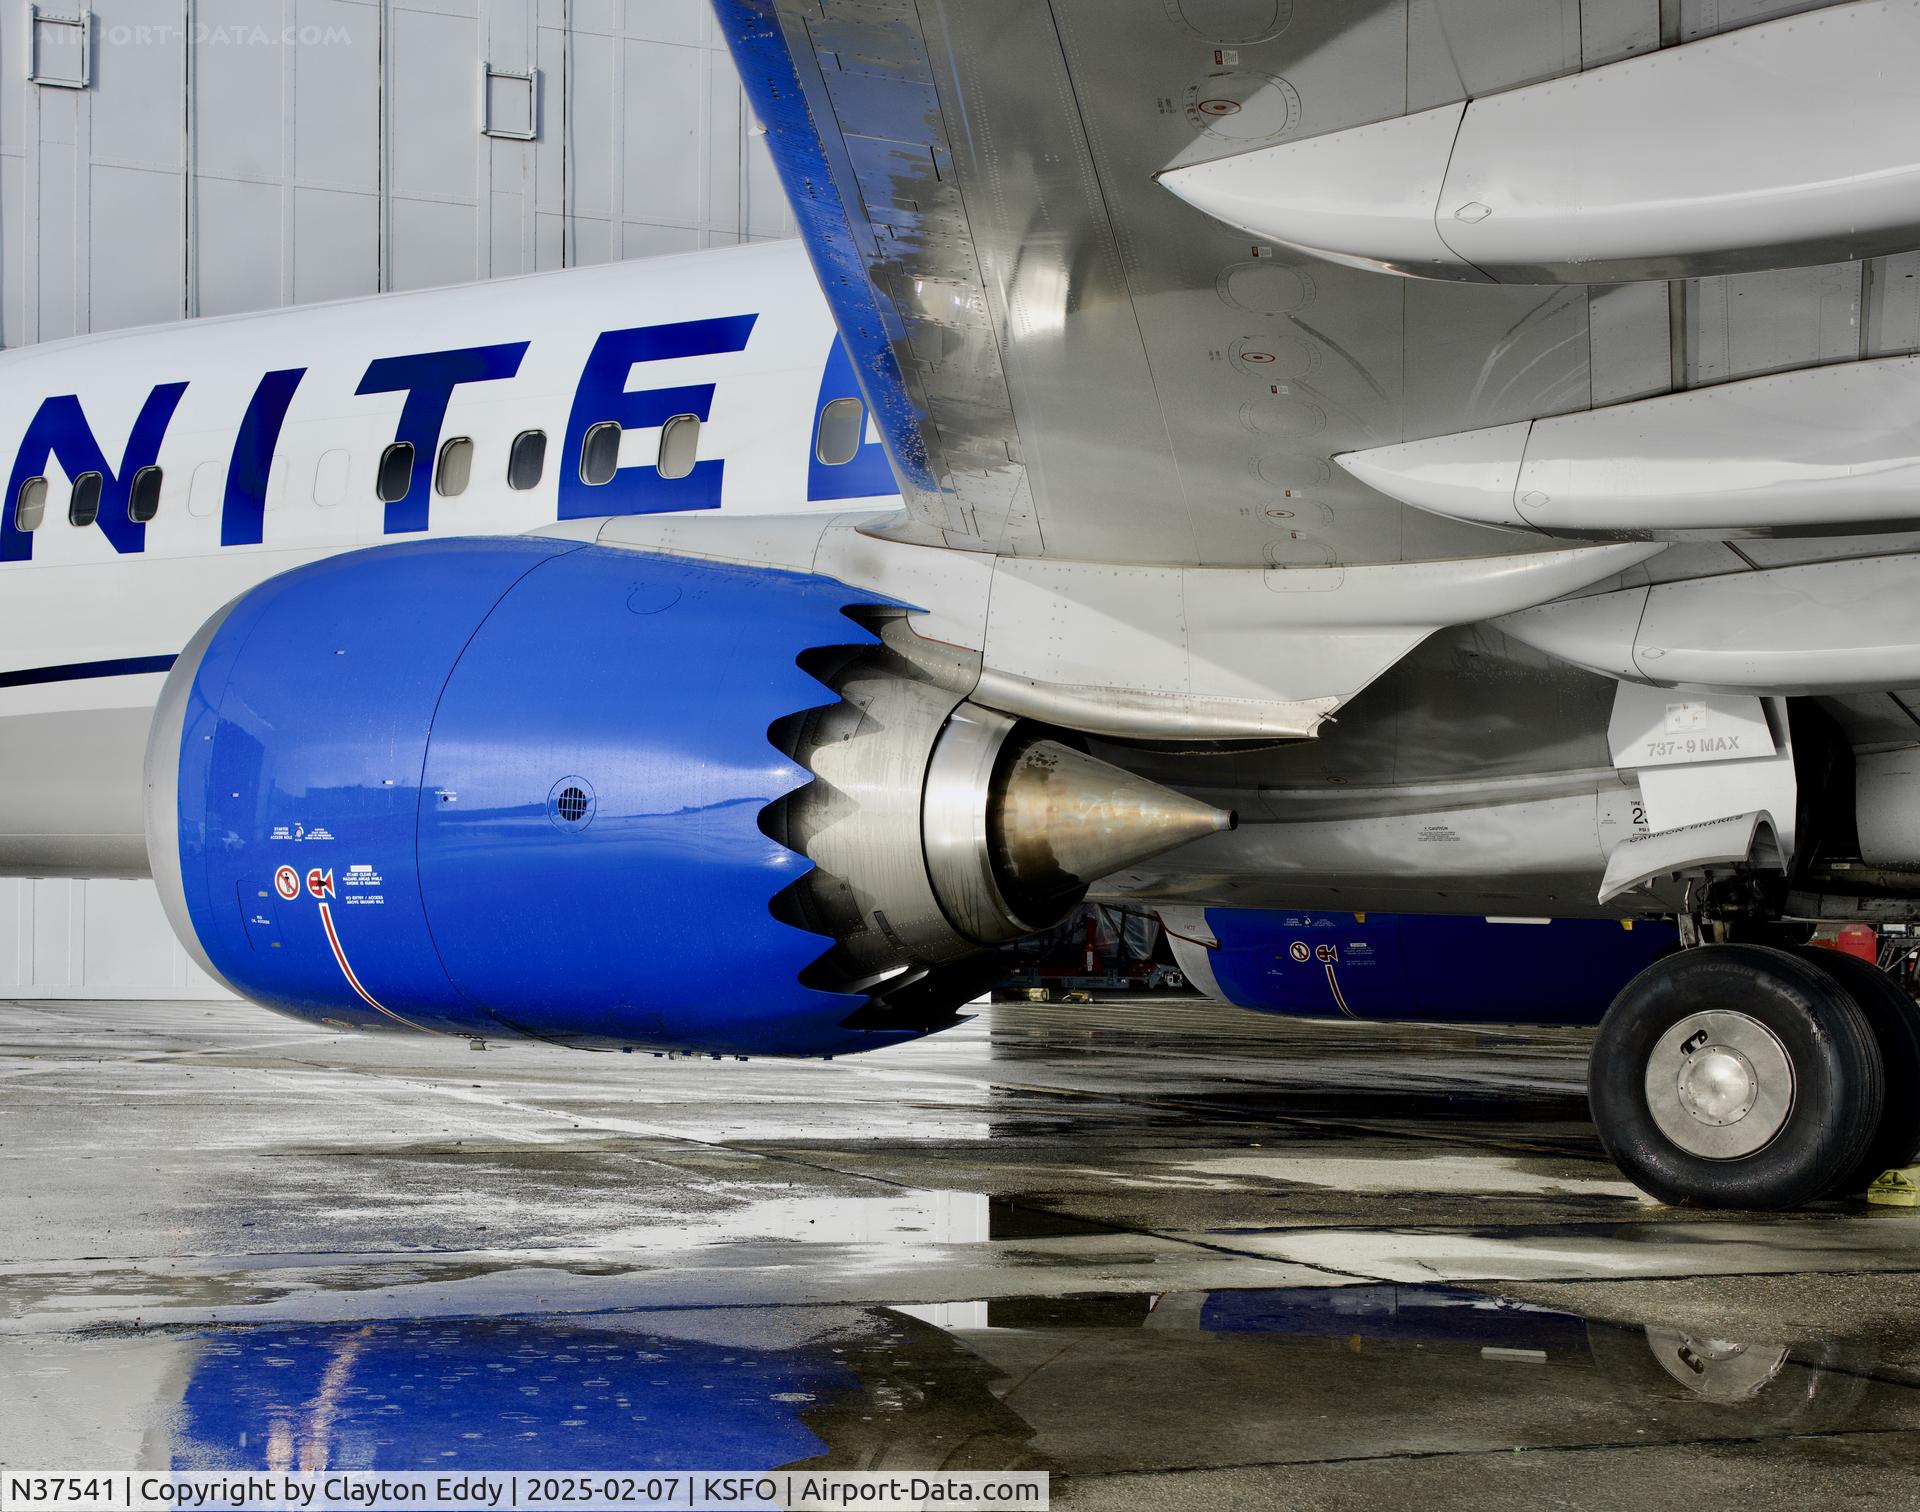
(205, 488)
(396, 472)
(528, 460)
(31, 507)
(679, 445)
(143, 499)
(842, 424)
(456, 467)
(330, 476)
(600, 454)
(83, 505)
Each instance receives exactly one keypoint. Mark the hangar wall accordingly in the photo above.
(170, 158)
(92, 939)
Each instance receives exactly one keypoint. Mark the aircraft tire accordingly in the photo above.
(1736, 1076)
(1895, 1020)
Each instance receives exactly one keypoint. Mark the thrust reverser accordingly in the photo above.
(612, 800)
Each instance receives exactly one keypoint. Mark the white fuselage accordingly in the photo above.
(87, 620)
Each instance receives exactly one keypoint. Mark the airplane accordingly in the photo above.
(1334, 458)
(1310, 963)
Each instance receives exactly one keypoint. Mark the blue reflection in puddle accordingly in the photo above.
(1078, 1383)
(507, 1394)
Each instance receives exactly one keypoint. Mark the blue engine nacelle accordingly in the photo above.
(481, 786)
(1414, 966)
(491, 786)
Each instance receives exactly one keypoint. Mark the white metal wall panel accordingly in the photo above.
(92, 939)
(334, 236)
(554, 150)
(729, 168)
(133, 273)
(240, 114)
(13, 249)
(432, 243)
(238, 145)
(53, 272)
(237, 253)
(764, 214)
(56, 940)
(592, 86)
(336, 104)
(688, 23)
(262, 152)
(664, 174)
(509, 244)
(14, 88)
(434, 146)
(642, 239)
(433, 72)
(336, 244)
(138, 116)
(19, 236)
(509, 169)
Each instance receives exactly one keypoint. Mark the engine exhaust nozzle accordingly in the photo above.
(1054, 821)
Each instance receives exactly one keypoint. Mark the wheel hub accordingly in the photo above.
(1715, 1369)
(1720, 1085)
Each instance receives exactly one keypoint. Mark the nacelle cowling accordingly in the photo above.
(485, 787)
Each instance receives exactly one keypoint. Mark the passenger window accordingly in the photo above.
(842, 423)
(204, 491)
(396, 472)
(83, 506)
(31, 507)
(600, 454)
(330, 475)
(456, 467)
(528, 460)
(143, 499)
(679, 445)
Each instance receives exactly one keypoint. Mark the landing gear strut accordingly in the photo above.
(1745, 1076)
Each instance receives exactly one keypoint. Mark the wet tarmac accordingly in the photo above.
(1178, 1255)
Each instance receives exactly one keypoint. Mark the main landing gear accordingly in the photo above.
(1744, 1076)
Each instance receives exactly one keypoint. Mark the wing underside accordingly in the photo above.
(1305, 292)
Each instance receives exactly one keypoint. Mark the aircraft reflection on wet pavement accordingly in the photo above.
(1085, 1385)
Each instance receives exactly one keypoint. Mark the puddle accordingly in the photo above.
(1478, 1174)
(1094, 1384)
(904, 1217)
